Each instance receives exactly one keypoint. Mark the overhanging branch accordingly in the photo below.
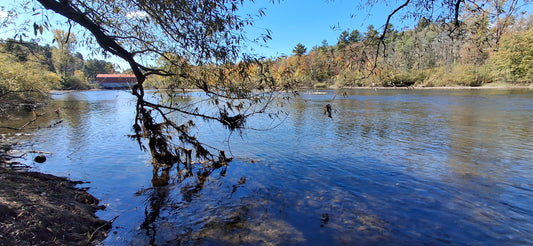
(105, 41)
(383, 34)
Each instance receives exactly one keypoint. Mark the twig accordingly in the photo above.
(382, 37)
(90, 238)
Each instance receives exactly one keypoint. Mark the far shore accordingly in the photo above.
(458, 87)
(503, 87)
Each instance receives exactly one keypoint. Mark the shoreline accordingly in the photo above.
(485, 87)
(499, 86)
(44, 209)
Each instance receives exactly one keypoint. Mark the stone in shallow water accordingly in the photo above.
(40, 158)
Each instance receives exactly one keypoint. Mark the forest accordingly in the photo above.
(29, 69)
(487, 48)
(431, 54)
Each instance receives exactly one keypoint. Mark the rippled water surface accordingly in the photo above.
(392, 167)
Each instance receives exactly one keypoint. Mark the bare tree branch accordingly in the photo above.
(383, 34)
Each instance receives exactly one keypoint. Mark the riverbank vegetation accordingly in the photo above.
(477, 52)
(29, 70)
(491, 43)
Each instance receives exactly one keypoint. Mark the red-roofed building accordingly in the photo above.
(116, 81)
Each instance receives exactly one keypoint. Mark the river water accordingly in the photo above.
(391, 167)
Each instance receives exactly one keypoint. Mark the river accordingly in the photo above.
(391, 167)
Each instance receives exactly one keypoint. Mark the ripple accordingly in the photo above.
(392, 167)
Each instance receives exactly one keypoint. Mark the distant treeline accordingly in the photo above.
(58, 67)
(29, 70)
(476, 52)
(472, 53)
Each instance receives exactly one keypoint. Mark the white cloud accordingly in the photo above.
(3, 14)
(136, 14)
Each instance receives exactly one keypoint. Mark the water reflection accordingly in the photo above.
(157, 198)
(392, 167)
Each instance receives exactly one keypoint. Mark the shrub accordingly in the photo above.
(320, 86)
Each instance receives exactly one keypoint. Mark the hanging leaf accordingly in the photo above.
(35, 28)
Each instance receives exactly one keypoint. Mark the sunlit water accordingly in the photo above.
(392, 167)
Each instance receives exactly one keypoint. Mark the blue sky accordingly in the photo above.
(310, 22)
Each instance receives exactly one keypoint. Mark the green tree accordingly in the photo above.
(299, 50)
(23, 83)
(342, 42)
(477, 39)
(371, 36)
(355, 36)
(92, 67)
(28, 51)
(444, 12)
(65, 63)
(514, 59)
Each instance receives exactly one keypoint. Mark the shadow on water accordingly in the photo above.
(191, 187)
(368, 205)
(157, 198)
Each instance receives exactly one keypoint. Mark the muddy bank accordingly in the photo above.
(42, 209)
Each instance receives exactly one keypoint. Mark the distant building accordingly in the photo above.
(116, 81)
